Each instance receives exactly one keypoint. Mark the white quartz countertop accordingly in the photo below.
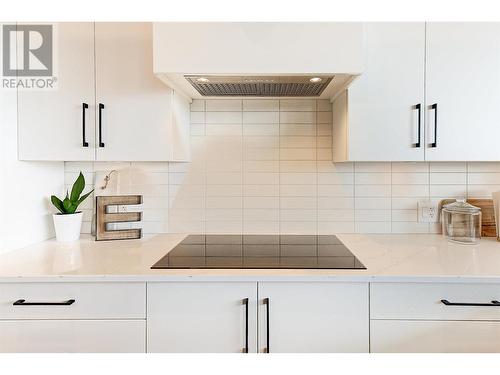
(388, 258)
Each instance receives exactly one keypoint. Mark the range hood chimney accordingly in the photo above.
(203, 60)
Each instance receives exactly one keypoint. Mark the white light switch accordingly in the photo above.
(428, 212)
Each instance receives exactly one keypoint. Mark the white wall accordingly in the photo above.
(265, 166)
(25, 187)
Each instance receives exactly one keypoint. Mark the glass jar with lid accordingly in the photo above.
(461, 222)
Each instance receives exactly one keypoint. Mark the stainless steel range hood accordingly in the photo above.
(267, 59)
(262, 86)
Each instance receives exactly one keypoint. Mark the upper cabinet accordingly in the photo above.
(108, 105)
(463, 91)
(428, 92)
(379, 118)
(59, 124)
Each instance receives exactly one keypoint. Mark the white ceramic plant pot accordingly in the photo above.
(68, 226)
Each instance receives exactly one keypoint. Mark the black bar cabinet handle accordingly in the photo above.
(245, 302)
(434, 107)
(448, 303)
(22, 302)
(84, 107)
(418, 107)
(101, 107)
(266, 302)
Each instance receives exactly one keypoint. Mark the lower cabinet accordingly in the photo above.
(313, 317)
(414, 336)
(73, 317)
(292, 317)
(73, 336)
(434, 317)
(202, 317)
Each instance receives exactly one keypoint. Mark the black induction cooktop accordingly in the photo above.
(259, 252)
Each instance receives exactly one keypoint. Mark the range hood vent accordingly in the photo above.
(302, 86)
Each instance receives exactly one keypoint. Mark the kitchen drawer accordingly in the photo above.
(73, 336)
(423, 301)
(425, 336)
(92, 300)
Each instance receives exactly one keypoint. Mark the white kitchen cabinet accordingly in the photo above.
(382, 116)
(90, 300)
(463, 85)
(51, 122)
(135, 107)
(313, 317)
(407, 336)
(73, 336)
(202, 317)
(434, 317)
(130, 114)
(73, 317)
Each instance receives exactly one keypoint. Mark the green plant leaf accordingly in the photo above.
(66, 205)
(78, 187)
(57, 203)
(83, 197)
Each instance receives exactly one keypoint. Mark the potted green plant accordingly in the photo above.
(68, 221)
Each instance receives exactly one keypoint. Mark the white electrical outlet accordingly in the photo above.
(428, 212)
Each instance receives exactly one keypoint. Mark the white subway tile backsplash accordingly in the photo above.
(410, 167)
(197, 117)
(298, 179)
(372, 203)
(449, 191)
(410, 178)
(448, 167)
(261, 129)
(483, 167)
(448, 178)
(297, 117)
(223, 117)
(484, 179)
(370, 178)
(294, 105)
(224, 105)
(410, 191)
(265, 166)
(297, 142)
(260, 117)
(373, 167)
(373, 215)
(324, 105)
(265, 105)
(298, 190)
(198, 105)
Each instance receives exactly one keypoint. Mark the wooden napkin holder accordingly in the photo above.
(103, 218)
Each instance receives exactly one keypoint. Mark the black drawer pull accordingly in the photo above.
(418, 107)
(267, 349)
(448, 303)
(84, 107)
(245, 303)
(435, 108)
(101, 107)
(22, 302)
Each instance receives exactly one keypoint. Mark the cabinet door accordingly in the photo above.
(137, 115)
(73, 336)
(50, 122)
(202, 317)
(313, 317)
(383, 117)
(413, 336)
(463, 80)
